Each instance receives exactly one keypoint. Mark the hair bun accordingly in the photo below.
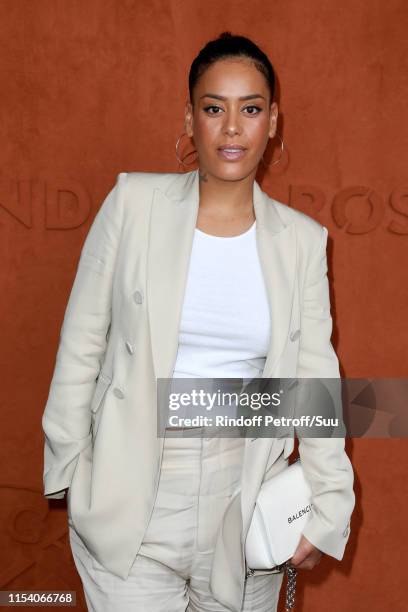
(230, 46)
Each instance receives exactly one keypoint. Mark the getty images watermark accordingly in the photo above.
(282, 407)
(212, 401)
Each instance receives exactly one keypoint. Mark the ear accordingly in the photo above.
(273, 119)
(188, 118)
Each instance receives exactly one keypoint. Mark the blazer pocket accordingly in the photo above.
(101, 388)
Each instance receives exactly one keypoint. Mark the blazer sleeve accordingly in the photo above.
(325, 462)
(66, 420)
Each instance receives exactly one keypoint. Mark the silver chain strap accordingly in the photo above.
(291, 574)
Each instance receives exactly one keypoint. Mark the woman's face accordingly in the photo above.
(222, 117)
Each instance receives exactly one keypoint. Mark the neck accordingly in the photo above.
(226, 199)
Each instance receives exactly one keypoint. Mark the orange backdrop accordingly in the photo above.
(91, 89)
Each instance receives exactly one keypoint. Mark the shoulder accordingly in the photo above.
(140, 180)
(310, 233)
(135, 189)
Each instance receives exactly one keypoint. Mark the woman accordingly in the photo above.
(193, 275)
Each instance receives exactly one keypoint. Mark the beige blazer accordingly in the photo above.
(120, 333)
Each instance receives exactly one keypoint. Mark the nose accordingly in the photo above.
(232, 123)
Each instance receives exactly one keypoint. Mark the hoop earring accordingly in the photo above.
(280, 156)
(177, 156)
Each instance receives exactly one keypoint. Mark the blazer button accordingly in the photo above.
(347, 530)
(129, 348)
(118, 393)
(295, 335)
(138, 297)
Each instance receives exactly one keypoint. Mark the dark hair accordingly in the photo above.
(225, 46)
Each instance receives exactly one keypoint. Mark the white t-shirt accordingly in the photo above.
(225, 321)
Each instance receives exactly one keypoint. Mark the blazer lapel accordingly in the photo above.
(173, 219)
(276, 243)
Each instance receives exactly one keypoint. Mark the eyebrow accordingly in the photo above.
(217, 97)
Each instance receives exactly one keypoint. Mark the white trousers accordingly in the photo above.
(172, 568)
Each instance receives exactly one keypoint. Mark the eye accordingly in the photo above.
(258, 109)
(207, 108)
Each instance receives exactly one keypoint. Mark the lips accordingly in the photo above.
(232, 147)
(231, 152)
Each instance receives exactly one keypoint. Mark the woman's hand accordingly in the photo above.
(306, 555)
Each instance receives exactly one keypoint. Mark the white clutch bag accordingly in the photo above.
(282, 509)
